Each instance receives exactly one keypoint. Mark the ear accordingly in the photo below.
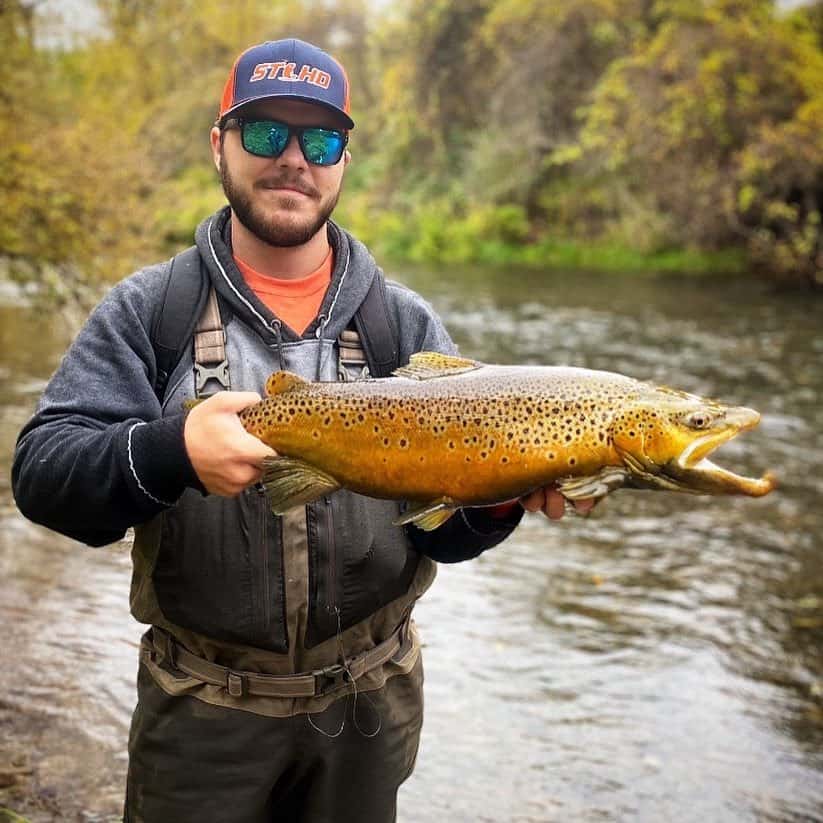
(214, 138)
(346, 158)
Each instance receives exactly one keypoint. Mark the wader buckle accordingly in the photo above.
(330, 678)
(162, 650)
(202, 375)
(236, 684)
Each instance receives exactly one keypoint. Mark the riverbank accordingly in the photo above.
(52, 771)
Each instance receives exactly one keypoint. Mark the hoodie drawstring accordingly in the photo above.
(276, 328)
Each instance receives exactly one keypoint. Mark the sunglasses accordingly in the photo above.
(269, 138)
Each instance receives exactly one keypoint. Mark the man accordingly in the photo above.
(281, 676)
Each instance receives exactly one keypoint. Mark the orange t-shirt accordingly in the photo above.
(295, 302)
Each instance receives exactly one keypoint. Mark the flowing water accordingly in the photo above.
(658, 661)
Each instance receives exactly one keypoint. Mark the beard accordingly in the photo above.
(276, 231)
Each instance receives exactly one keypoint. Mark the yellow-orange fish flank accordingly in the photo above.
(447, 432)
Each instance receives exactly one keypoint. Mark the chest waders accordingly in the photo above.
(194, 760)
(190, 317)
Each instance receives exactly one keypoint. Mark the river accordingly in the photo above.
(657, 661)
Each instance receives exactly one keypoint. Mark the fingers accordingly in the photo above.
(226, 458)
(535, 501)
(584, 506)
(553, 504)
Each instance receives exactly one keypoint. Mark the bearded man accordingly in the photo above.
(280, 677)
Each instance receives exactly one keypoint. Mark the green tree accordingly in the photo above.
(693, 122)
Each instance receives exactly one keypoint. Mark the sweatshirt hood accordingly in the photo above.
(354, 270)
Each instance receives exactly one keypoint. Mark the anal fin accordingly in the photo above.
(430, 515)
(289, 483)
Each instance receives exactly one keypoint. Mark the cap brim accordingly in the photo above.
(347, 121)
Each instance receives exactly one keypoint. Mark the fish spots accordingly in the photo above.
(460, 426)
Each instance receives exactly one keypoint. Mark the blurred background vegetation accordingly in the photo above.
(623, 134)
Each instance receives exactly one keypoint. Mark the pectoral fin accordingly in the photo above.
(597, 485)
(426, 365)
(289, 483)
(430, 515)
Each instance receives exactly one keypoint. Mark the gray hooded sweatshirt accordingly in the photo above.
(102, 453)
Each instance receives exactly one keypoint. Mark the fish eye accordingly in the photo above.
(700, 419)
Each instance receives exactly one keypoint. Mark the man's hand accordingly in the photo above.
(224, 455)
(553, 504)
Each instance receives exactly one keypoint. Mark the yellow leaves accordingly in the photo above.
(746, 198)
(675, 122)
(565, 155)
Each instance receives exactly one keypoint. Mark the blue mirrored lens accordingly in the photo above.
(268, 138)
(265, 138)
(323, 147)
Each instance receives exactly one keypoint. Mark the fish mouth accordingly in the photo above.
(737, 420)
(693, 471)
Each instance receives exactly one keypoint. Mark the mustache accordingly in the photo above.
(287, 180)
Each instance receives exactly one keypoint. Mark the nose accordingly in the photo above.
(292, 155)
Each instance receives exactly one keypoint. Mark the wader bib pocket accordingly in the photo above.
(219, 570)
(360, 561)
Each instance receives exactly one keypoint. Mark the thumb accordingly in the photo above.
(232, 401)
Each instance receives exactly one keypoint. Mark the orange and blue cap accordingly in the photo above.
(287, 69)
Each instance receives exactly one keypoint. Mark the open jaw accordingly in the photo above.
(693, 471)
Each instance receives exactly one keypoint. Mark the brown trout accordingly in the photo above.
(447, 432)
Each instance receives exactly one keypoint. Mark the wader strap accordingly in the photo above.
(376, 330)
(351, 356)
(210, 361)
(162, 646)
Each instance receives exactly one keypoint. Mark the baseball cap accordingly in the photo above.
(290, 69)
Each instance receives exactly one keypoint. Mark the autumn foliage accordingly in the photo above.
(487, 130)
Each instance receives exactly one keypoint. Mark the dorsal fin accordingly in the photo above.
(283, 381)
(426, 365)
